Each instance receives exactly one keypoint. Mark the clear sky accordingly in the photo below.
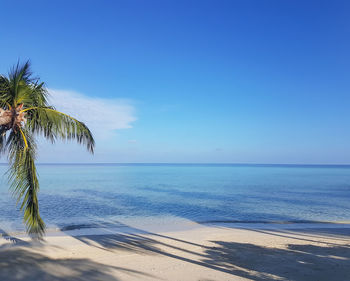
(191, 81)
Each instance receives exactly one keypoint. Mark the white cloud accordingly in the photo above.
(102, 116)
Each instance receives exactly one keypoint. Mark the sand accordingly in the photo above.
(209, 252)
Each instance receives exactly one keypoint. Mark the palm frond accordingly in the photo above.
(5, 95)
(38, 95)
(2, 139)
(23, 179)
(21, 72)
(53, 125)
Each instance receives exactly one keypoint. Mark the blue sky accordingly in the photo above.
(191, 81)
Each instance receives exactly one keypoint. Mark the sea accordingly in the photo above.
(75, 196)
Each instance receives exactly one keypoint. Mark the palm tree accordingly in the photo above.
(24, 114)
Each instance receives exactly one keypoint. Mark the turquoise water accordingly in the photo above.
(87, 194)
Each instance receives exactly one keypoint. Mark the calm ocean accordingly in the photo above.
(90, 194)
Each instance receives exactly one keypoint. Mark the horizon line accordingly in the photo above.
(186, 163)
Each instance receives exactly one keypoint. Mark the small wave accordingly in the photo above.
(92, 225)
(267, 222)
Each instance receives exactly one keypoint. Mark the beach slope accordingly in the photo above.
(215, 252)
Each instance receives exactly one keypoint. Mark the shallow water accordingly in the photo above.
(100, 195)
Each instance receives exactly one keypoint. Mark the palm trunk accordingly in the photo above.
(12, 117)
(5, 117)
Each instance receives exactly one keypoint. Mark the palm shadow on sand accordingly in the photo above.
(298, 261)
(324, 261)
(22, 264)
(18, 262)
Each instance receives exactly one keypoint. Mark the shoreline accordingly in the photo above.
(175, 225)
(205, 252)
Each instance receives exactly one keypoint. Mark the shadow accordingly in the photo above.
(147, 246)
(294, 262)
(131, 239)
(315, 259)
(14, 240)
(21, 264)
(333, 233)
(292, 229)
(303, 235)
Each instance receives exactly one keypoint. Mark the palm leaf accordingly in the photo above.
(23, 179)
(53, 125)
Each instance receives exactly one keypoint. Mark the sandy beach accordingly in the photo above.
(203, 252)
